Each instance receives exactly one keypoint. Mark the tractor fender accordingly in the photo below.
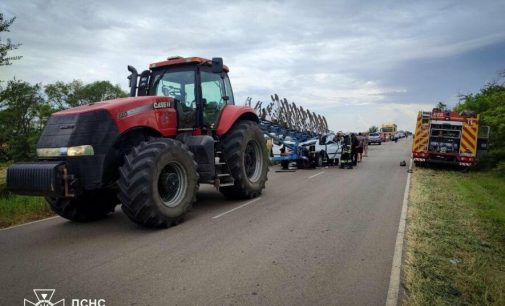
(231, 114)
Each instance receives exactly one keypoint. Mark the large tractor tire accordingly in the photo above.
(244, 151)
(158, 183)
(90, 206)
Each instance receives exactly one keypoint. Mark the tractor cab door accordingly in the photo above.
(216, 93)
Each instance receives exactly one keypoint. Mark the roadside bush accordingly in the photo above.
(489, 102)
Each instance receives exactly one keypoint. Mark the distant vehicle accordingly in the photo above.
(374, 138)
(388, 130)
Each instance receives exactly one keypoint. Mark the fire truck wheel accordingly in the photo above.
(158, 183)
(244, 151)
(90, 206)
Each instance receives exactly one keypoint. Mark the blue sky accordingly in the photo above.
(359, 63)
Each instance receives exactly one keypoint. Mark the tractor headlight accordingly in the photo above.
(70, 151)
(80, 151)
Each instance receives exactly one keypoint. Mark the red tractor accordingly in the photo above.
(178, 129)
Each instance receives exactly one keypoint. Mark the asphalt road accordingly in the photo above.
(315, 237)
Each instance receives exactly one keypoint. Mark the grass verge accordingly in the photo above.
(16, 209)
(455, 239)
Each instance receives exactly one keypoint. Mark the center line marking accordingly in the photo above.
(316, 174)
(229, 211)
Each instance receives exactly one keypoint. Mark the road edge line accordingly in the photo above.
(394, 280)
(23, 224)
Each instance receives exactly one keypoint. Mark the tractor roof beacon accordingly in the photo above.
(178, 129)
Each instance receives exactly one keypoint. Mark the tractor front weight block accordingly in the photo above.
(39, 179)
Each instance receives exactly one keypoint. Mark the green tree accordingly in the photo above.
(489, 103)
(6, 46)
(373, 129)
(64, 95)
(100, 91)
(23, 114)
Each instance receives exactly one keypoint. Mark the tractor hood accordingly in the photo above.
(154, 112)
(117, 106)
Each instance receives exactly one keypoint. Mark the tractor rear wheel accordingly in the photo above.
(244, 150)
(158, 183)
(90, 206)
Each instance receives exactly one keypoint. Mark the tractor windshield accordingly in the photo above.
(176, 83)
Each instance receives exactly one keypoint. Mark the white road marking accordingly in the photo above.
(19, 225)
(315, 175)
(394, 281)
(238, 207)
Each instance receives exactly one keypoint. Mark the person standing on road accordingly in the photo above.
(360, 147)
(365, 145)
(354, 148)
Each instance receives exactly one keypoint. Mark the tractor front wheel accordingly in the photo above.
(158, 183)
(244, 151)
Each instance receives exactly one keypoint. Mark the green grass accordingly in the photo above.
(21, 209)
(487, 191)
(16, 209)
(455, 239)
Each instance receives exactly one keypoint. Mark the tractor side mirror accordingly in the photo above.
(217, 65)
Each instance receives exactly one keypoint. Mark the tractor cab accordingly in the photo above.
(200, 89)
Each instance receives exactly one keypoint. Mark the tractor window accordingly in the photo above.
(213, 92)
(176, 84)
